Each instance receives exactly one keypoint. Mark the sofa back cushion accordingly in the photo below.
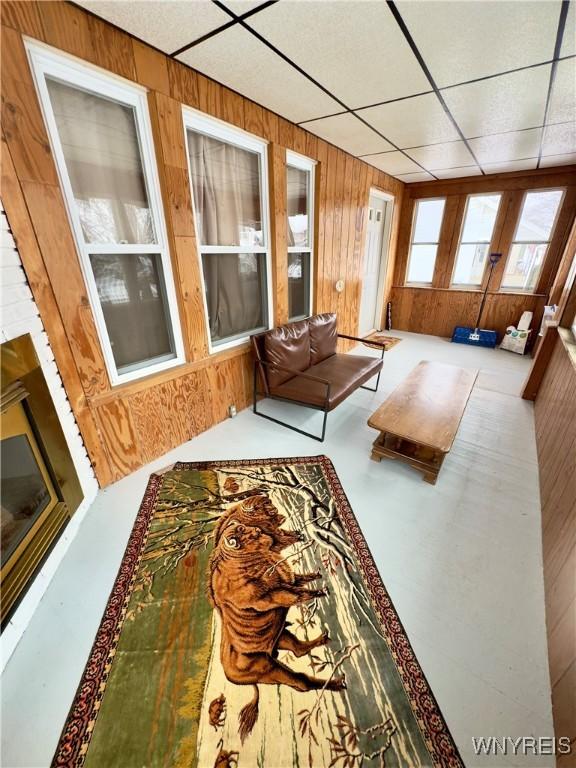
(323, 337)
(288, 345)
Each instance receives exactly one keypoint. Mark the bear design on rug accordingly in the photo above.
(261, 512)
(252, 588)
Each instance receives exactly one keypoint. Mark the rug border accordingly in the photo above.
(79, 725)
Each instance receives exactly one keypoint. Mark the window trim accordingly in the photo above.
(303, 163)
(47, 61)
(194, 120)
(472, 286)
(415, 283)
(513, 242)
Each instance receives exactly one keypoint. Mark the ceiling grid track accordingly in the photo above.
(325, 90)
(532, 152)
(410, 40)
(557, 48)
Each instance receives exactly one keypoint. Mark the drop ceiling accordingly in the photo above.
(421, 90)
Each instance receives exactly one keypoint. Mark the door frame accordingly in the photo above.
(385, 250)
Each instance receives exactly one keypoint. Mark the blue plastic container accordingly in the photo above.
(476, 337)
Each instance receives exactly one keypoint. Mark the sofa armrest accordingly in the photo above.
(295, 373)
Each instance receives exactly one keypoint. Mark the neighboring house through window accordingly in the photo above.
(531, 240)
(475, 239)
(230, 193)
(300, 221)
(100, 132)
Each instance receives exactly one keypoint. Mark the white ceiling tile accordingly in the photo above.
(502, 147)
(456, 173)
(240, 61)
(569, 39)
(348, 133)
(563, 98)
(355, 49)
(559, 139)
(465, 40)
(507, 103)
(553, 160)
(393, 162)
(166, 25)
(410, 178)
(412, 122)
(514, 165)
(449, 155)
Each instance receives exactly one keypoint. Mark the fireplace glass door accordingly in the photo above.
(27, 492)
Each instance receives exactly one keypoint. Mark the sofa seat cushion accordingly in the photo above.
(289, 346)
(323, 337)
(344, 372)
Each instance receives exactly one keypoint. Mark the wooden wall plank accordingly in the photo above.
(43, 293)
(278, 233)
(437, 312)
(51, 226)
(496, 182)
(151, 67)
(117, 427)
(448, 241)
(22, 15)
(555, 421)
(21, 116)
(190, 291)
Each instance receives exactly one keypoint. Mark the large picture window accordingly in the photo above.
(228, 176)
(428, 216)
(531, 240)
(475, 239)
(100, 132)
(300, 224)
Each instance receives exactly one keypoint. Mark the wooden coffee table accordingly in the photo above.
(419, 420)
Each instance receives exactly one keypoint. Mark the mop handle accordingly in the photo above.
(494, 259)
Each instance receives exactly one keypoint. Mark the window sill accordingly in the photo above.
(455, 289)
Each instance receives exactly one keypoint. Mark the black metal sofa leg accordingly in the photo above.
(283, 423)
(375, 389)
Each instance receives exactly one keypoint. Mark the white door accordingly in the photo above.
(371, 281)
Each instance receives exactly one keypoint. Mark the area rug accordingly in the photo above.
(248, 626)
(382, 338)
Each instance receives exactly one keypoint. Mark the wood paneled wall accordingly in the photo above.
(437, 309)
(125, 426)
(555, 414)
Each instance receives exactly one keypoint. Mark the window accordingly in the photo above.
(472, 255)
(101, 136)
(425, 236)
(531, 241)
(228, 177)
(300, 220)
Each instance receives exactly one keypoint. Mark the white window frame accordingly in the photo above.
(46, 61)
(305, 164)
(218, 129)
(472, 286)
(513, 289)
(412, 231)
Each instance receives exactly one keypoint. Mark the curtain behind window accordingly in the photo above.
(226, 187)
(102, 152)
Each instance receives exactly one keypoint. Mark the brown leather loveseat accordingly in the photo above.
(298, 362)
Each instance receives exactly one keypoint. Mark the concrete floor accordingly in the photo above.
(461, 560)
